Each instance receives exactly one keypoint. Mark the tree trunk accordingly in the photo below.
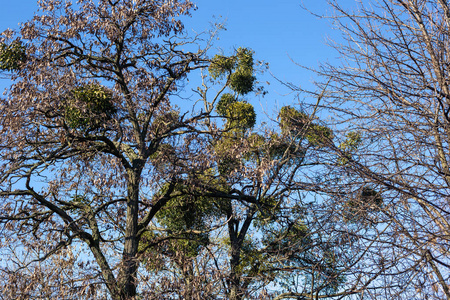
(188, 280)
(235, 283)
(128, 271)
(106, 272)
(234, 279)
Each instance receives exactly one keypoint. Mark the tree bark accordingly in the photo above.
(234, 281)
(127, 276)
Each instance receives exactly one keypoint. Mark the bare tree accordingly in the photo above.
(392, 93)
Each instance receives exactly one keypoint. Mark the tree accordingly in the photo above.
(392, 92)
(90, 132)
(263, 239)
(265, 222)
(110, 177)
(242, 224)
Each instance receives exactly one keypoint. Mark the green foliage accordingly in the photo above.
(280, 146)
(268, 211)
(225, 101)
(351, 143)
(74, 118)
(96, 97)
(291, 120)
(250, 257)
(318, 135)
(226, 162)
(285, 238)
(185, 221)
(299, 125)
(244, 58)
(256, 146)
(11, 56)
(184, 212)
(242, 80)
(227, 165)
(238, 67)
(256, 141)
(353, 140)
(240, 115)
(274, 147)
(79, 201)
(185, 217)
(88, 107)
(220, 65)
(151, 250)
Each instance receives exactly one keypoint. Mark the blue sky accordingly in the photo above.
(280, 33)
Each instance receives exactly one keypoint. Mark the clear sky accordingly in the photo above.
(281, 33)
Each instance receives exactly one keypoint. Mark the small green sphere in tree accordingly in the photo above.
(291, 120)
(88, 107)
(319, 135)
(300, 125)
(241, 115)
(11, 56)
(238, 69)
(242, 81)
(244, 58)
(220, 65)
(225, 101)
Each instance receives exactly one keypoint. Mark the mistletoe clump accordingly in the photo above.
(351, 143)
(238, 69)
(225, 101)
(319, 135)
(12, 56)
(221, 65)
(88, 107)
(299, 125)
(371, 197)
(242, 80)
(241, 115)
(185, 217)
(291, 120)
